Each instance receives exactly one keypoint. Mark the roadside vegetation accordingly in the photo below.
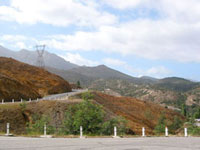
(87, 114)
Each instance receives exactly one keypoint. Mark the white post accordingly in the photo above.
(166, 131)
(2, 101)
(45, 130)
(21, 100)
(143, 132)
(29, 99)
(81, 131)
(37, 99)
(186, 134)
(115, 131)
(8, 129)
(13, 100)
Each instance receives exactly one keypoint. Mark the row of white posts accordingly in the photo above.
(13, 101)
(81, 131)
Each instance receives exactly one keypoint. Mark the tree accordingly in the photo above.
(184, 110)
(197, 114)
(78, 84)
(160, 127)
(177, 123)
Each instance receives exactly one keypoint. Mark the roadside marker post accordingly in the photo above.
(115, 133)
(166, 131)
(81, 132)
(45, 130)
(21, 100)
(13, 101)
(8, 130)
(45, 133)
(185, 131)
(29, 99)
(2, 101)
(143, 132)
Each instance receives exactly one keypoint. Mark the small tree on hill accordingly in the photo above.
(160, 127)
(184, 110)
(78, 84)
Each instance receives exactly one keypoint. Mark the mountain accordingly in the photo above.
(19, 80)
(171, 91)
(30, 57)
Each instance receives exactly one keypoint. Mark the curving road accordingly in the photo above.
(64, 96)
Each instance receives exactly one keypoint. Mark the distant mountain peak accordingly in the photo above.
(30, 57)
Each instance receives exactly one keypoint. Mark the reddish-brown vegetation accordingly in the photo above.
(19, 80)
(138, 113)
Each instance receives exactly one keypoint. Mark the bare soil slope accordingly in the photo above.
(138, 113)
(19, 80)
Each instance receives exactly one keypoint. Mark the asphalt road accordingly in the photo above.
(63, 96)
(161, 143)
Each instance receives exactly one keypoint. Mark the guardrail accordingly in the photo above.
(62, 96)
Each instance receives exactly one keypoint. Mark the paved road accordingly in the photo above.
(172, 143)
(63, 96)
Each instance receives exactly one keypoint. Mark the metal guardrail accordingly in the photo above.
(62, 96)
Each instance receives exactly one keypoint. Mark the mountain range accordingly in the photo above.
(30, 57)
(172, 91)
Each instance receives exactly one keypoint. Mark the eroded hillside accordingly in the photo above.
(138, 113)
(19, 80)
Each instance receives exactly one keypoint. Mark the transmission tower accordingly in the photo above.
(40, 59)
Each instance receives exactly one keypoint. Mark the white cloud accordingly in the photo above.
(21, 45)
(58, 13)
(18, 41)
(123, 4)
(156, 71)
(113, 62)
(173, 36)
(161, 39)
(78, 59)
(159, 72)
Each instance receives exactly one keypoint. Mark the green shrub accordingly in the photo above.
(91, 117)
(38, 126)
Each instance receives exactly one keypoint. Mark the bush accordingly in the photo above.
(91, 117)
(38, 126)
(177, 123)
(160, 127)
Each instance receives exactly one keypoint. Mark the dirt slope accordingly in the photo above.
(138, 113)
(19, 80)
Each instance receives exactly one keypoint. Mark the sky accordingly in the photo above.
(157, 38)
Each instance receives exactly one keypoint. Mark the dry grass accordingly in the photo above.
(138, 113)
(19, 80)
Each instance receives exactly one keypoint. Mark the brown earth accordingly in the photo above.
(19, 80)
(138, 113)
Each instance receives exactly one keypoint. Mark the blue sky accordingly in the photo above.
(138, 37)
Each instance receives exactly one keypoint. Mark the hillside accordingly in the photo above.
(168, 91)
(138, 113)
(19, 80)
(30, 57)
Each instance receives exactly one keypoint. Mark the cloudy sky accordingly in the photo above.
(156, 38)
